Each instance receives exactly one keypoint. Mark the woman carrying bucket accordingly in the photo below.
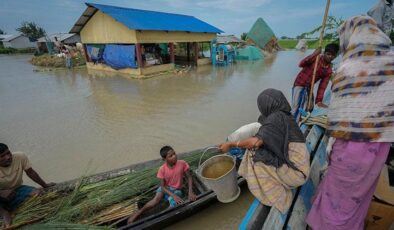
(276, 159)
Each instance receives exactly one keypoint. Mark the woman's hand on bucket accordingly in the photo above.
(225, 147)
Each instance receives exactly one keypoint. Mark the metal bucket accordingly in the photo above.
(219, 174)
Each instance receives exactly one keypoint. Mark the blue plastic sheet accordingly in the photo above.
(95, 52)
(120, 56)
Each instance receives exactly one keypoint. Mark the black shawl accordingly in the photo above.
(278, 128)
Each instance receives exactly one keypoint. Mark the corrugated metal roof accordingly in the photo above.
(60, 37)
(228, 39)
(136, 19)
(12, 37)
(260, 33)
(5, 36)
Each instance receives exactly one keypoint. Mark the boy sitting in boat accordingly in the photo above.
(170, 175)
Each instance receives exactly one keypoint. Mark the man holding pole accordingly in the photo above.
(302, 84)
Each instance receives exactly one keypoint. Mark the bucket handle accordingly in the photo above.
(212, 147)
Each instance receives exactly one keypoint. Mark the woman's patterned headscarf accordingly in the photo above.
(362, 103)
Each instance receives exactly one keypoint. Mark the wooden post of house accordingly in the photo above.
(210, 50)
(172, 54)
(86, 53)
(195, 51)
(188, 51)
(139, 56)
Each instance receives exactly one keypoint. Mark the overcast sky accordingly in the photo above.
(285, 17)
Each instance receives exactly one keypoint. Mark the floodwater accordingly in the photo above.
(74, 122)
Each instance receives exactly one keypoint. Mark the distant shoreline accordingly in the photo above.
(291, 43)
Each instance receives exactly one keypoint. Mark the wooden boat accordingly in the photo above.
(161, 216)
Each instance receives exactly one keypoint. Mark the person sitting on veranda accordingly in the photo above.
(12, 192)
(276, 159)
(170, 174)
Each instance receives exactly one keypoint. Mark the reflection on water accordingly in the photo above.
(218, 215)
(73, 122)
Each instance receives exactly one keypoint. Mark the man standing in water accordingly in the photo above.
(303, 81)
(12, 192)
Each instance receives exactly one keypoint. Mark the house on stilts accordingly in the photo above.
(142, 42)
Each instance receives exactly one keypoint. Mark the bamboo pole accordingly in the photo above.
(310, 99)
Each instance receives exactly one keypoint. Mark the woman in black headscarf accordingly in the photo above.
(276, 159)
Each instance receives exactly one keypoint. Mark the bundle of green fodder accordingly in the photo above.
(54, 61)
(48, 61)
(63, 226)
(96, 203)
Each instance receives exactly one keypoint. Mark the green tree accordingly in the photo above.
(31, 30)
(330, 32)
(2, 31)
(243, 36)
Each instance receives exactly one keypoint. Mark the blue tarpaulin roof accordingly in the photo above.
(136, 19)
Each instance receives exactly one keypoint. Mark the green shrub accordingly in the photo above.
(16, 51)
(7, 50)
(25, 50)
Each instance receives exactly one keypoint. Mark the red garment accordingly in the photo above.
(323, 73)
(173, 176)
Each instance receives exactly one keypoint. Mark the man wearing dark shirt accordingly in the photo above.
(303, 81)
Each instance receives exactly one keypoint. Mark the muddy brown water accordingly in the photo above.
(217, 169)
(75, 122)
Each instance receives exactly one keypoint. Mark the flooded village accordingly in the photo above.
(137, 118)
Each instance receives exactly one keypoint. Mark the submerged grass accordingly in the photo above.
(97, 203)
(291, 43)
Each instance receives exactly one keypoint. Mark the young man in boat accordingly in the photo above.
(170, 175)
(12, 192)
(302, 83)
